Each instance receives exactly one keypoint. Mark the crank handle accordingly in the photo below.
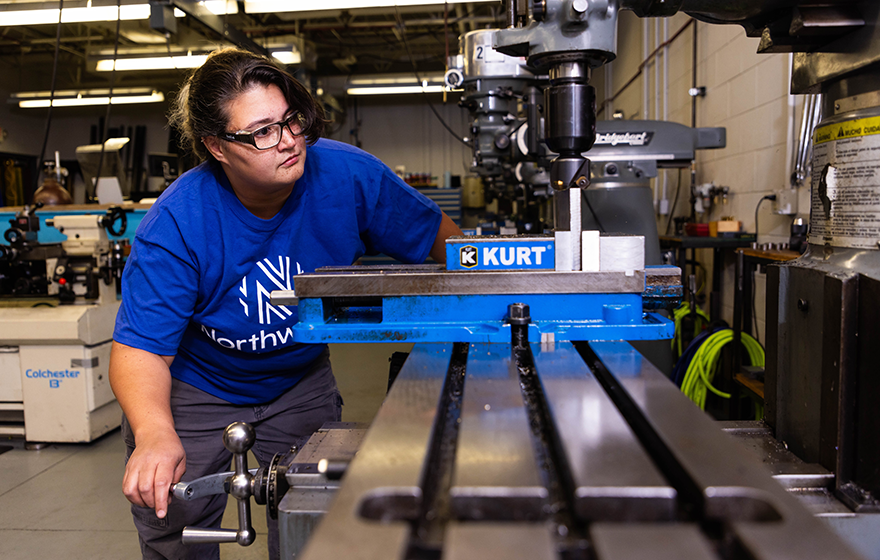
(238, 438)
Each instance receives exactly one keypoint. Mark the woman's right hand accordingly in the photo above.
(141, 382)
(157, 463)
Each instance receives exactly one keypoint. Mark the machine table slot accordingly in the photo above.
(719, 483)
(496, 473)
(596, 442)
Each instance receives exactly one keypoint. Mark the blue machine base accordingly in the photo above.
(478, 318)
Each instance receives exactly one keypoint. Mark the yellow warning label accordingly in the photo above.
(848, 129)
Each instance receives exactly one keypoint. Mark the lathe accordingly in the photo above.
(57, 309)
(525, 425)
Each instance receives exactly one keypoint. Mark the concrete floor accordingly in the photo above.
(65, 500)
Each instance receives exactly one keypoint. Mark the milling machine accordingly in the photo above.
(505, 101)
(58, 306)
(524, 427)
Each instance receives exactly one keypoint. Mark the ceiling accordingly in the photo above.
(336, 42)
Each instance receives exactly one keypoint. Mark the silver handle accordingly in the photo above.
(238, 438)
(197, 535)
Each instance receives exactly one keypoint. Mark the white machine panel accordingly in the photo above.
(67, 392)
(88, 324)
(10, 375)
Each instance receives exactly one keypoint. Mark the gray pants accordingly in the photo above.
(200, 419)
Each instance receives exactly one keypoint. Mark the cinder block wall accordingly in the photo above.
(747, 93)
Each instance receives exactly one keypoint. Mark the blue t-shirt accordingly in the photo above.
(196, 285)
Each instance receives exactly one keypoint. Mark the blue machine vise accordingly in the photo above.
(430, 303)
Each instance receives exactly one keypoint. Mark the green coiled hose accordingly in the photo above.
(699, 375)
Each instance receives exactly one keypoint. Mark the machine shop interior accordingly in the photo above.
(690, 371)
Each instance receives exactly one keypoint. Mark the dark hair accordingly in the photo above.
(200, 107)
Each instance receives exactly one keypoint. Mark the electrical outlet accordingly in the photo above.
(664, 207)
(786, 202)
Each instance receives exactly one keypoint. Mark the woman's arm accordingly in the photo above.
(447, 229)
(142, 383)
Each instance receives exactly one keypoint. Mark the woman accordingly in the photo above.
(197, 343)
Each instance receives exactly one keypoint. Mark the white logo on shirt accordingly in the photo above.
(276, 276)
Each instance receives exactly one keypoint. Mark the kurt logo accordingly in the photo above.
(275, 276)
(518, 256)
(468, 256)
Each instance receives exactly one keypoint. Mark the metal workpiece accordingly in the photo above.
(383, 492)
(800, 403)
(496, 473)
(596, 441)
(360, 281)
(569, 225)
(716, 480)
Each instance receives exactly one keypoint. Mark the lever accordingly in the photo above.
(205, 486)
(238, 438)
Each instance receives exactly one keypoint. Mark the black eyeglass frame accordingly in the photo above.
(248, 137)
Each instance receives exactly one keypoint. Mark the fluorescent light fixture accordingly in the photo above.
(386, 90)
(159, 59)
(81, 98)
(275, 6)
(152, 63)
(286, 56)
(74, 15)
(220, 7)
(91, 13)
(395, 84)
